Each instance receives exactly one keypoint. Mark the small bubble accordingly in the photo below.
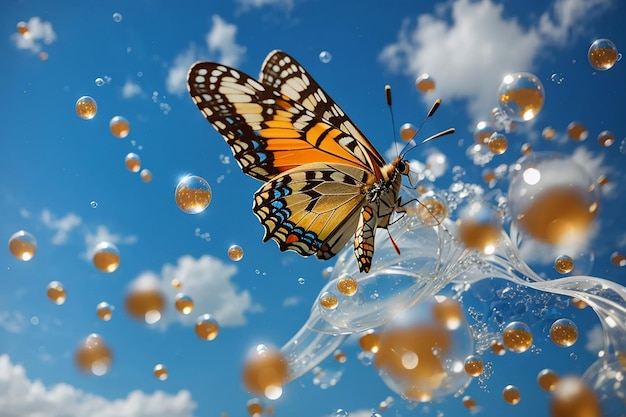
(117, 17)
(521, 96)
(606, 138)
(517, 337)
(183, 303)
(94, 355)
(146, 175)
(577, 131)
(106, 257)
(86, 107)
(473, 365)
(469, 402)
(425, 83)
(347, 286)
(193, 194)
(329, 301)
(564, 264)
(325, 57)
(93, 204)
(119, 126)
(547, 379)
(301, 281)
(160, 372)
(407, 131)
(132, 162)
(511, 394)
(235, 253)
(557, 78)
(498, 143)
(618, 259)
(99, 82)
(548, 133)
(602, 54)
(564, 332)
(206, 327)
(56, 293)
(23, 245)
(104, 311)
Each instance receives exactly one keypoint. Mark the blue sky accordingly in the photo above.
(53, 165)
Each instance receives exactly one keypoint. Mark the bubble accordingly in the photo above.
(564, 264)
(99, 82)
(117, 17)
(327, 272)
(175, 283)
(86, 107)
(521, 96)
(602, 54)
(517, 337)
(119, 126)
(235, 253)
(618, 259)
(431, 209)
(341, 413)
(265, 370)
(469, 402)
(325, 57)
(43, 56)
(145, 301)
(329, 301)
(94, 355)
(340, 356)
(193, 194)
(479, 154)
(425, 83)
(146, 175)
(577, 131)
(207, 327)
(547, 379)
(254, 407)
(578, 303)
(132, 162)
(22, 29)
(573, 398)
(478, 227)
(160, 372)
(369, 342)
(301, 281)
(557, 78)
(183, 303)
(564, 332)
(106, 257)
(548, 133)
(602, 180)
(552, 198)
(93, 204)
(56, 293)
(498, 143)
(511, 394)
(606, 138)
(483, 132)
(473, 365)
(104, 311)
(448, 312)
(23, 245)
(347, 286)
(407, 131)
(525, 149)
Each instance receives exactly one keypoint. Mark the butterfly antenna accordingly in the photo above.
(412, 144)
(393, 122)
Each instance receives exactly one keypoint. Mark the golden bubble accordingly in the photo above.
(517, 337)
(254, 407)
(193, 194)
(424, 83)
(478, 227)
(511, 394)
(146, 175)
(469, 402)
(564, 332)
(606, 138)
(448, 312)
(22, 28)
(56, 293)
(119, 126)
(573, 398)
(618, 259)
(489, 176)
(183, 303)
(23, 245)
(94, 355)
(145, 304)
(132, 162)
(235, 253)
(497, 348)
(548, 133)
(104, 311)
(578, 303)
(43, 56)
(106, 257)
(329, 301)
(564, 264)
(602, 54)
(327, 272)
(160, 372)
(430, 209)
(340, 356)
(86, 107)
(473, 365)
(547, 379)
(407, 131)
(602, 180)
(347, 286)
(498, 143)
(521, 96)
(369, 342)
(525, 149)
(483, 131)
(207, 328)
(577, 131)
(175, 283)
(265, 370)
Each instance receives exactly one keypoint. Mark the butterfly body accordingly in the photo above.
(324, 181)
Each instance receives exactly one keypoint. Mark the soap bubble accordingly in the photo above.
(325, 57)
(425, 83)
(193, 194)
(119, 126)
(265, 370)
(407, 131)
(86, 107)
(602, 54)
(23, 245)
(521, 96)
(94, 355)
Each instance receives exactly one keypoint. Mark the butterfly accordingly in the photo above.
(323, 180)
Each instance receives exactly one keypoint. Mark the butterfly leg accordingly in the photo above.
(364, 238)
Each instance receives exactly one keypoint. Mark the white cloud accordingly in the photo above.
(38, 32)
(595, 339)
(291, 301)
(207, 281)
(221, 47)
(102, 234)
(469, 56)
(62, 226)
(130, 89)
(284, 4)
(23, 397)
(12, 321)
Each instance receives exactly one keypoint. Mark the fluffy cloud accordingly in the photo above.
(102, 234)
(249, 4)
(23, 397)
(458, 48)
(38, 32)
(61, 226)
(221, 46)
(207, 281)
(130, 89)
(12, 321)
(595, 339)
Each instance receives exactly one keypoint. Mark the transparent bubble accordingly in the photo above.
(235, 253)
(160, 372)
(86, 107)
(146, 175)
(517, 337)
(23, 245)
(564, 264)
(93, 204)
(325, 57)
(106, 257)
(183, 303)
(557, 78)
(602, 54)
(521, 96)
(478, 227)
(132, 162)
(606, 138)
(94, 356)
(511, 394)
(265, 371)
(407, 131)
(119, 126)
(104, 311)
(498, 143)
(193, 194)
(577, 131)
(548, 133)
(43, 56)
(473, 365)
(573, 398)
(425, 83)
(341, 413)
(56, 293)
(483, 132)
(301, 281)
(329, 301)
(564, 332)
(117, 17)
(207, 327)
(99, 82)
(145, 301)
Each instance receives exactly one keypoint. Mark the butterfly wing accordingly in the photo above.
(313, 208)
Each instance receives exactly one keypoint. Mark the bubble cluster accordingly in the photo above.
(193, 194)
(23, 245)
(86, 107)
